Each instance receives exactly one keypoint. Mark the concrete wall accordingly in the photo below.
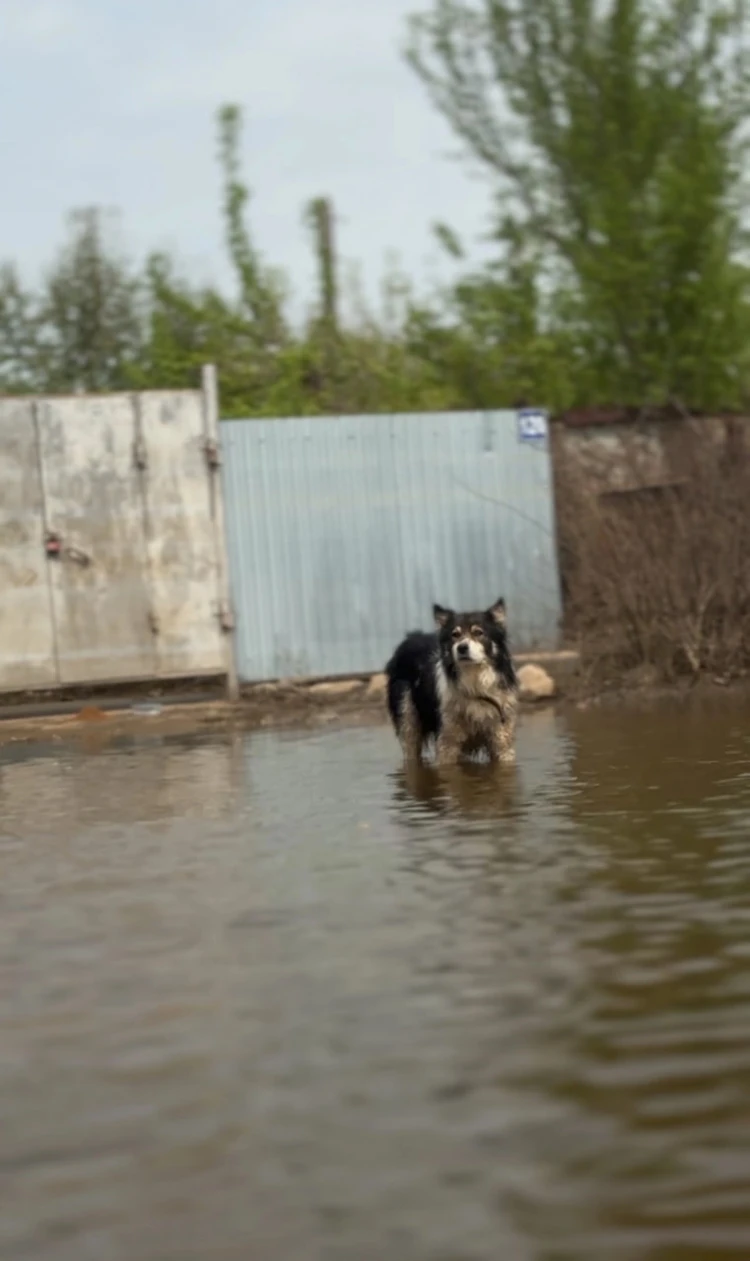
(111, 539)
(625, 454)
(628, 461)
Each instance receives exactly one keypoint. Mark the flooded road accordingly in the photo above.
(264, 998)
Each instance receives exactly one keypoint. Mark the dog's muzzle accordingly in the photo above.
(468, 650)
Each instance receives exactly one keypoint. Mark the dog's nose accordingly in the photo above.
(463, 649)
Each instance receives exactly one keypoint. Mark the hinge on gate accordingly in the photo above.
(226, 617)
(140, 454)
(212, 453)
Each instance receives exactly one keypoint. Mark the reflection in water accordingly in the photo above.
(137, 777)
(274, 997)
(464, 790)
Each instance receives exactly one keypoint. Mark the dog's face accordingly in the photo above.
(474, 639)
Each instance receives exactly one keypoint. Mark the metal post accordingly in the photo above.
(209, 386)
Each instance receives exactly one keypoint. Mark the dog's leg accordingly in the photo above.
(508, 756)
(447, 753)
(501, 745)
(449, 746)
(410, 731)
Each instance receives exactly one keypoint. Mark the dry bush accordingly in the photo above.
(660, 577)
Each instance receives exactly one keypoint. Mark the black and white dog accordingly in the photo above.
(457, 687)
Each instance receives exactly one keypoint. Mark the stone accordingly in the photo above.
(376, 688)
(337, 688)
(535, 683)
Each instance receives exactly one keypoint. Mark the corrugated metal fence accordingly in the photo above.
(343, 531)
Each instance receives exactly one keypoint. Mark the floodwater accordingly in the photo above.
(263, 998)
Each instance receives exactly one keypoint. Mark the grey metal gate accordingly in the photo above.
(112, 561)
(343, 531)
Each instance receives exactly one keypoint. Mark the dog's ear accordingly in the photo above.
(496, 613)
(442, 616)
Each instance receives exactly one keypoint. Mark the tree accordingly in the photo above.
(19, 334)
(320, 219)
(615, 135)
(245, 335)
(260, 290)
(90, 318)
(491, 338)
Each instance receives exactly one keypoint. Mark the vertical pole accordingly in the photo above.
(210, 389)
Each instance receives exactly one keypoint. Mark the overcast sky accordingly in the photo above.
(112, 102)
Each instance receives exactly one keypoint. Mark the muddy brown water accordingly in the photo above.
(263, 997)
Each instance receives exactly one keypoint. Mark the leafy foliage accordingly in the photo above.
(615, 133)
(615, 137)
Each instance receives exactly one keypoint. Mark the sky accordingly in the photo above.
(113, 103)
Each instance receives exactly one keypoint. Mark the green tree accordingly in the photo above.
(265, 367)
(190, 326)
(260, 289)
(615, 135)
(491, 340)
(91, 315)
(245, 335)
(20, 329)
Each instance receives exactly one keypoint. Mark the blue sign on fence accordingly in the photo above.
(532, 424)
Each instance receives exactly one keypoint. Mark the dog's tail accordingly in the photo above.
(398, 690)
(403, 672)
(398, 687)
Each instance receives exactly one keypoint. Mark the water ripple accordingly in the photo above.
(271, 997)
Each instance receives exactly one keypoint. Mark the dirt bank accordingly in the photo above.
(95, 725)
(285, 703)
(643, 691)
(341, 702)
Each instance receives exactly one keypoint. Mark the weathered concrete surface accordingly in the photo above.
(112, 561)
(27, 649)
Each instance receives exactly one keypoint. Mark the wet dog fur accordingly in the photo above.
(456, 688)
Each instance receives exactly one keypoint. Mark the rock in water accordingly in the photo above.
(535, 683)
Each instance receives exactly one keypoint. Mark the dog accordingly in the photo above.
(456, 688)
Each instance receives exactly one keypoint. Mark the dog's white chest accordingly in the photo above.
(478, 703)
(477, 682)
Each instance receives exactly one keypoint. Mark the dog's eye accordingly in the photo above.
(477, 630)
(456, 632)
